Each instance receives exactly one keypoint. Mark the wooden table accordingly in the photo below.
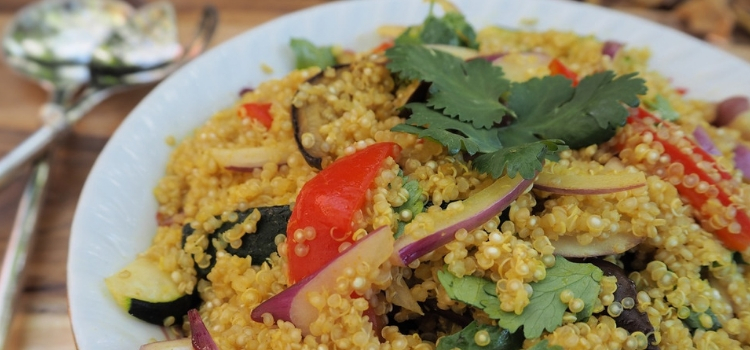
(42, 321)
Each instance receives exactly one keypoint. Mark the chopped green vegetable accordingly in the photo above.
(545, 309)
(414, 204)
(544, 345)
(451, 29)
(308, 55)
(497, 339)
(467, 90)
(550, 108)
(661, 107)
(465, 112)
(524, 159)
(694, 320)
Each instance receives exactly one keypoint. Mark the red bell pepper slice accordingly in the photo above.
(327, 204)
(257, 111)
(558, 68)
(704, 184)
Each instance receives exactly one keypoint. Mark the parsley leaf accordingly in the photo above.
(545, 309)
(500, 339)
(467, 90)
(549, 108)
(544, 345)
(308, 55)
(413, 204)
(661, 107)
(526, 159)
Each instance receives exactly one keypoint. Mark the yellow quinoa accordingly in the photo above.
(679, 266)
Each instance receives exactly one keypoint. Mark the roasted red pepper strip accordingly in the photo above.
(383, 46)
(663, 149)
(326, 206)
(257, 111)
(558, 68)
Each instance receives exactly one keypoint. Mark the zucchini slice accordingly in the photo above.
(148, 293)
(259, 245)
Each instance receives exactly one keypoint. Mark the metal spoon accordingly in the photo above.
(76, 81)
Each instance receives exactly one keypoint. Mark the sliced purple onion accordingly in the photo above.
(199, 335)
(468, 214)
(245, 90)
(586, 184)
(249, 158)
(293, 304)
(728, 110)
(742, 160)
(177, 344)
(569, 247)
(611, 48)
(705, 141)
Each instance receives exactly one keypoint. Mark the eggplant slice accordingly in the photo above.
(310, 117)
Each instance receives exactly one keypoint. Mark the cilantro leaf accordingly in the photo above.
(544, 345)
(465, 31)
(500, 339)
(547, 108)
(526, 159)
(308, 55)
(545, 309)
(694, 322)
(452, 29)
(413, 204)
(467, 90)
(662, 108)
(453, 134)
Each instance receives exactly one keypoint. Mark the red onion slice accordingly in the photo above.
(584, 184)
(611, 48)
(728, 110)
(249, 158)
(293, 304)
(468, 214)
(177, 344)
(199, 334)
(569, 247)
(705, 141)
(742, 160)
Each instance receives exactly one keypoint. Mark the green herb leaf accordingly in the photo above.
(526, 159)
(544, 345)
(308, 55)
(451, 133)
(549, 108)
(694, 321)
(661, 107)
(452, 29)
(500, 339)
(413, 204)
(467, 90)
(545, 309)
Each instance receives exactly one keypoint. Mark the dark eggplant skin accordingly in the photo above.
(631, 319)
(259, 245)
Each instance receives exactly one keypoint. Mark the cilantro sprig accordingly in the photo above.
(499, 339)
(512, 127)
(545, 309)
(451, 29)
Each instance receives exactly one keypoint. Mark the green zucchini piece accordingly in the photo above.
(148, 293)
(259, 245)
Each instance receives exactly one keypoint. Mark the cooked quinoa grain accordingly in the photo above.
(690, 287)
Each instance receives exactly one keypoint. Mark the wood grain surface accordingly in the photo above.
(42, 318)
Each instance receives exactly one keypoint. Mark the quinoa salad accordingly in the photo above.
(455, 188)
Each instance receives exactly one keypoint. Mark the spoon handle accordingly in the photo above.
(19, 244)
(32, 147)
